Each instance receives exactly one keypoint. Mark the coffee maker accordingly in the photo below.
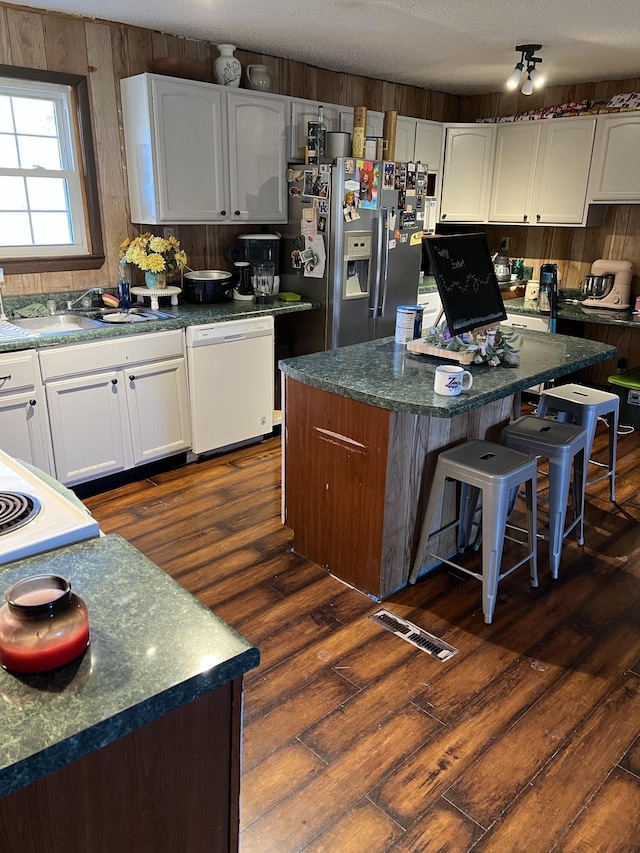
(608, 285)
(257, 249)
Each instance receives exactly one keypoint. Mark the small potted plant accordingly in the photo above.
(159, 258)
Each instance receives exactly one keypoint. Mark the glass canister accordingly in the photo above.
(43, 625)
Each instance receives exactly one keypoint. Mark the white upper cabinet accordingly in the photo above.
(541, 172)
(185, 141)
(428, 148)
(468, 167)
(514, 172)
(562, 171)
(405, 139)
(375, 121)
(257, 163)
(615, 172)
(303, 111)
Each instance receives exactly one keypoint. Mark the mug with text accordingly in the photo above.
(451, 379)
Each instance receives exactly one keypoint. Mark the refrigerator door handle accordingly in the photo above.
(384, 273)
(381, 251)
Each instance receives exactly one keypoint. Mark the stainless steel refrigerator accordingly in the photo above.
(352, 244)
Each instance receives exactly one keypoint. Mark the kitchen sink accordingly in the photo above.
(55, 324)
(66, 322)
(115, 315)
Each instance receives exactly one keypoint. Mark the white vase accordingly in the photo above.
(258, 77)
(226, 68)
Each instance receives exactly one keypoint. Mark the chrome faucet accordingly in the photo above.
(84, 298)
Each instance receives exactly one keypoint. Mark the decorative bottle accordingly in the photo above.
(124, 285)
(226, 68)
(317, 138)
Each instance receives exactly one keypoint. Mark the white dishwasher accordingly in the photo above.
(231, 381)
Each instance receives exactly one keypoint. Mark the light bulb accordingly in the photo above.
(537, 78)
(527, 87)
(514, 78)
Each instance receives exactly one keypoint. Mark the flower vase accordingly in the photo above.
(227, 68)
(155, 280)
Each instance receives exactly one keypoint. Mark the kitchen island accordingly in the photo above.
(136, 745)
(363, 428)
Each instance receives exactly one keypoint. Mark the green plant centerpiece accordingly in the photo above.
(484, 346)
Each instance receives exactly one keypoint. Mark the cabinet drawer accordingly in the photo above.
(57, 362)
(17, 372)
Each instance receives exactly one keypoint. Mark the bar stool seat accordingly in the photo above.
(494, 471)
(582, 405)
(564, 445)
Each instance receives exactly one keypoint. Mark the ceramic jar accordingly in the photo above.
(258, 78)
(155, 280)
(227, 68)
(43, 625)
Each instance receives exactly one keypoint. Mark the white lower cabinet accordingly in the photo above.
(116, 404)
(24, 425)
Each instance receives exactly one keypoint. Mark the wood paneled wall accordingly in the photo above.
(106, 52)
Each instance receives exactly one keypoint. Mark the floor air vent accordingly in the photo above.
(412, 634)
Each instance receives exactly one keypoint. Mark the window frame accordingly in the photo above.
(95, 257)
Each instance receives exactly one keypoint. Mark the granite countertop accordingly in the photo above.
(183, 315)
(154, 647)
(384, 374)
(572, 309)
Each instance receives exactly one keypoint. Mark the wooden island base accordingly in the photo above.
(357, 478)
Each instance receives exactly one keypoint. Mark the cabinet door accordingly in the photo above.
(188, 132)
(301, 113)
(89, 427)
(24, 429)
(24, 423)
(428, 148)
(257, 161)
(375, 121)
(562, 172)
(468, 166)
(513, 172)
(158, 409)
(405, 139)
(615, 174)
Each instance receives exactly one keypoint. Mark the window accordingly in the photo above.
(49, 215)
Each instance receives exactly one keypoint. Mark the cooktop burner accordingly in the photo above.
(16, 510)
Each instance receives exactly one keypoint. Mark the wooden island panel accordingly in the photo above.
(357, 479)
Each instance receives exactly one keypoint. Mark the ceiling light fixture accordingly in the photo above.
(534, 78)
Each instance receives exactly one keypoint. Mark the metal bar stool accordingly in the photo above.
(494, 471)
(564, 445)
(582, 405)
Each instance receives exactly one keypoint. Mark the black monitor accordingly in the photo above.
(466, 281)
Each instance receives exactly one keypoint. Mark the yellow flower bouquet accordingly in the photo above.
(152, 254)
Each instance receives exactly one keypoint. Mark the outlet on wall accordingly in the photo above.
(169, 232)
(504, 244)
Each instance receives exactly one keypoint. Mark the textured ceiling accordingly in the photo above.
(455, 46)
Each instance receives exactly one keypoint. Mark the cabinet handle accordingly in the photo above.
(538, 218)
(223, 213)
(444, 215)
(4, 378)
(114, 381)
(525, 217)
(237, 213)
(132, 378)
(32, 402)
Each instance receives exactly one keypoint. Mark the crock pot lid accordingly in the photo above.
(209, 275)
(259, 237)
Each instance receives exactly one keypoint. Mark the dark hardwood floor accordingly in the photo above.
(526, 741)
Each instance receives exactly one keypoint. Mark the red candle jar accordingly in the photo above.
(43, 625)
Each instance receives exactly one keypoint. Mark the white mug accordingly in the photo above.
(450, 380)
